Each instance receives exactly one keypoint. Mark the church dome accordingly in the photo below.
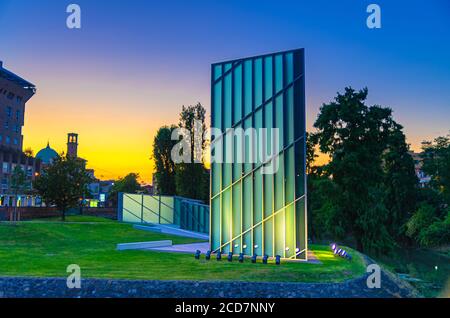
(47, 155)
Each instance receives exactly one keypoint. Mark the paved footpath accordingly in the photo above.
(99, 288)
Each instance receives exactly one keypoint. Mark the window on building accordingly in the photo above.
(5, 167)
(6, 124)
(8, 111)
(19, 99)
(16, 142)
(10, 95)
(8, 140)
(17, 128)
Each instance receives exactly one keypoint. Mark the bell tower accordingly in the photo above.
(72, 145)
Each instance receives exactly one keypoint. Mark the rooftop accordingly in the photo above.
(10, 76)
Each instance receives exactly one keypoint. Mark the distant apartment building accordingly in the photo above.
(14, 94)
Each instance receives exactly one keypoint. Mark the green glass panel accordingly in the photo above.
(249, 142)
(258, 197)
(268, 237)
(279, 120)
(227, 67)
(279, 184)
(289, 60)
(268, 195)
(290, 230)
(217, 120)
(258, 82)
(300, 217)
(299, 169)
(247, 214)
(228, 158)
(237, 224)
(268, 123)
(217, 71)
(215, 223)
(278, 73)
(290, 175)
(258, 240)
(289, 116)
(268, 78)
(248, 87)
(279, 233)
(237, 152)
(227, 101)
(215, 178)
(226, 219)
(257, 144)
(237, 93)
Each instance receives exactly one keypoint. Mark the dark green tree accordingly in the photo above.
(192, 178)
(356, 136)
(63, 183)
(20, 184)
(436, 164)
(400, 183)
(127, 184)
(164, 165)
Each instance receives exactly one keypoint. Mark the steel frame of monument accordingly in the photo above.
(252, 212)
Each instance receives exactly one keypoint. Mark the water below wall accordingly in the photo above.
(427, 270)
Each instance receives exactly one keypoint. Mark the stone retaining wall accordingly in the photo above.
(19, 287)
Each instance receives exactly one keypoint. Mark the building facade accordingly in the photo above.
(14, 93)
(255, 210)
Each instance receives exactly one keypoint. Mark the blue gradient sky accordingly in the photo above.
(134, 63)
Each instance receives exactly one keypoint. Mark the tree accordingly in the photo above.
(165, 167)
(189, 172)
(128, 184)
(436, 164)
(28, 152)
(356, 136)
(19, 185)
(63, 183)
(400, 183)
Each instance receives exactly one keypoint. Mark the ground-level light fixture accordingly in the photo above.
(340, 251)
(208, 255)
(219, 256)
(230, 256)
(278, 260)
(254, 258)
(197, 254)
(241, 258)
(265, 258)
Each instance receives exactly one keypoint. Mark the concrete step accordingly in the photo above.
(172, 230)
(143, 245)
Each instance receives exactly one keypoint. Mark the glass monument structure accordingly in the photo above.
(255, 210)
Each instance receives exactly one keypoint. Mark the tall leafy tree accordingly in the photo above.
(436, 163)
(19, 185)
(192, 178)
(63, 183)
(400, 183)
(356, 136)
(127, 184)
(164, 165)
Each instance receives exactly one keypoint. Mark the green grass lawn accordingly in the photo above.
(46, 248)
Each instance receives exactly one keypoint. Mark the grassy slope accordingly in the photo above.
(47, 248)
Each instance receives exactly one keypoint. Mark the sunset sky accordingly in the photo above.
(134, 64)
